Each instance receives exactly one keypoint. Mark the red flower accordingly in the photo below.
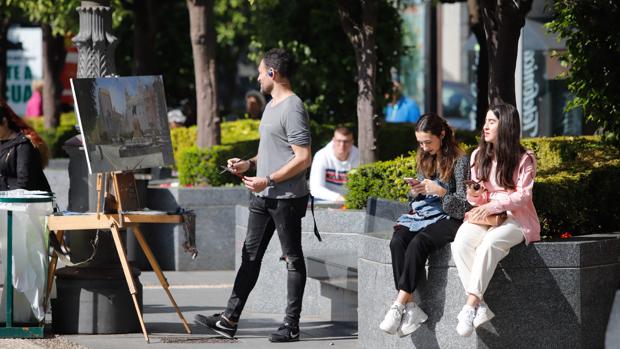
(566, 235)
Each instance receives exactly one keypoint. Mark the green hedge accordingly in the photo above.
(201, 166)
(56, 138)
(575, 188)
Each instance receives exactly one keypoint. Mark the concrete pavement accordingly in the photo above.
(204, 292)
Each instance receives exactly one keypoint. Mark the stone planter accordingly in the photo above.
(215, 228)
(546, 295)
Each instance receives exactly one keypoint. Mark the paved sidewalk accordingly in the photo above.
(204, 292)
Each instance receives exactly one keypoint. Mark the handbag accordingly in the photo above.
(492, 220)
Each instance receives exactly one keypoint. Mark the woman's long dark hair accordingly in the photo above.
(17, 124)
(508, 151)
(443, 162)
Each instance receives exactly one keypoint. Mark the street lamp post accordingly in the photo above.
(92, 297)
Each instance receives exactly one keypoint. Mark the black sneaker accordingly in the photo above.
(218, 324)
(285, 333)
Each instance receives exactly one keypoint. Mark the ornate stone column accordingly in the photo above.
(95, 42)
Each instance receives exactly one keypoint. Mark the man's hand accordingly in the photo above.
(255, 184)
(238, 166)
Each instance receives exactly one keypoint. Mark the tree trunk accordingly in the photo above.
(502, 21)
(4, 47)
(54, 54)
(144, 37)
(361, 33)
(482, 69)
(202, 34)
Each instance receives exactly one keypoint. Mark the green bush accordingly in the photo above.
(232, 132)
(394, 140)
(55, 138)
(202, 166)
(383, 179)
(575, 188)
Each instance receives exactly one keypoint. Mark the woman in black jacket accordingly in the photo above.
(22, 154)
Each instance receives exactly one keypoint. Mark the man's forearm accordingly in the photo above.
(291, 169)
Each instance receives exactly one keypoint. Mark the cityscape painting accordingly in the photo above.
(123, 122)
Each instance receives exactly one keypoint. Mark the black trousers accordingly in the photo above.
(265, 216)
(411, 249)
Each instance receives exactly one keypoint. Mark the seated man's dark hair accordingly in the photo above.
(281, 61)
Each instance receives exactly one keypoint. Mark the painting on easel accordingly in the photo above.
(123, 122)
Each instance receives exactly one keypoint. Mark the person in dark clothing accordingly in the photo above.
(438, 204)
(279, 201)
(23, 154)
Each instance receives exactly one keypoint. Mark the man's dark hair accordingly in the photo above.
(343, 130)
(281, 61)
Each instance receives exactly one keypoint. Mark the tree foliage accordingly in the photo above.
(592, 33)
(59, 14)
(327, 65)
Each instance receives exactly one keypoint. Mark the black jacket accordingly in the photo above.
(20, 166)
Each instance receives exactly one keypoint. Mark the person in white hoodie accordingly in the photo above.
(331, 164)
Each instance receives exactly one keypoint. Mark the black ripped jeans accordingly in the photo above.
(267, 215)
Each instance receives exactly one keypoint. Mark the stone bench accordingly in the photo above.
(555, 294)
(331, 287)
(332, 267)
(215, 226)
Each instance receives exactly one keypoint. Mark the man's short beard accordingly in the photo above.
(265, 90)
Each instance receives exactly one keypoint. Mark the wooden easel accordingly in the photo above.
(126, 200)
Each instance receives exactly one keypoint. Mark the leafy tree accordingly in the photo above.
(327, 74)
(57, 19)
(592, 33)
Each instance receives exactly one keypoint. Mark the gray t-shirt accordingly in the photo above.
(282, 125)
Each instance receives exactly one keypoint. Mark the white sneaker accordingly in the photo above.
(392, 319)
(466, 317)
(483, 314)
(412, 319)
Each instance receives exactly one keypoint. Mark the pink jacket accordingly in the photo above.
(516, 202)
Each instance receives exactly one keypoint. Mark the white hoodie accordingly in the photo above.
(328, 175)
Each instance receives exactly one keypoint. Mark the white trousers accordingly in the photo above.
(476, 250)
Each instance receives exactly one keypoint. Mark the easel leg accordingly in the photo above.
(160, 275)
(130, 282)
(51, 269)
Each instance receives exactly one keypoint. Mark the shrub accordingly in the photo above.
(201, 166)
(383, 179)
(575, 188)
(184, 138)
(55, 138)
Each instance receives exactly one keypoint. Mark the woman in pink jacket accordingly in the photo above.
(502, 174)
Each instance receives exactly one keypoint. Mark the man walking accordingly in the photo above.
(280, 198)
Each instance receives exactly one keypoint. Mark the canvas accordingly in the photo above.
(123, 122)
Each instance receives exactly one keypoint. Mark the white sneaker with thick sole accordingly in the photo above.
(466, 317)
(483, 314)
(413, 318)
(392, 319)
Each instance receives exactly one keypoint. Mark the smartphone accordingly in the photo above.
(411, 180)
(473, 184)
